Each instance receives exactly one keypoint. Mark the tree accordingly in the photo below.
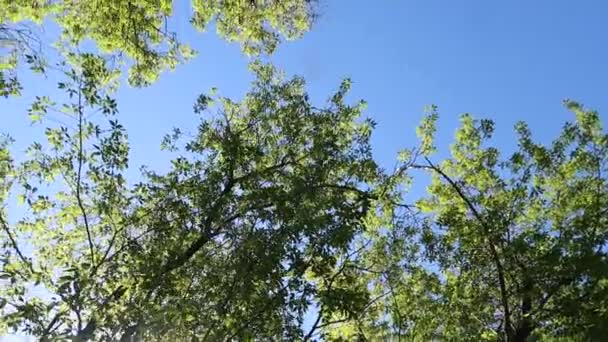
(139, 30)
(274, 210)
(511, 248)
(255, 220)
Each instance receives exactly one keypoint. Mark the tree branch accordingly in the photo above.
(79, 175)
(329, 286)
(498, 264)
(14, 244)
(49, 328)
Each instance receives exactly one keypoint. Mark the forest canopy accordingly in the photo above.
(139, 33)
(274, 219)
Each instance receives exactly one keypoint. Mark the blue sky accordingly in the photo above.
(508, 60)
(505, 60)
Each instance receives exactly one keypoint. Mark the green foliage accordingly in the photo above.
(426, 131)
(274, 210)
(139, 29)
(512, 248)
(253, 223)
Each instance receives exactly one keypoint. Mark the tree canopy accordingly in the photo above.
(510, 246)
(256, 210)
(274, 220)
(274, 209)
(140, 30)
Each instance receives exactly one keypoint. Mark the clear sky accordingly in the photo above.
(505, 60)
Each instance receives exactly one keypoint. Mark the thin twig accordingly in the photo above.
(14, 244)
(492, 247)
(79, 175)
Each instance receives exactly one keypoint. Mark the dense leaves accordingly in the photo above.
(253, 223)
(512, 248)
(140, 30)
(274, 221)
